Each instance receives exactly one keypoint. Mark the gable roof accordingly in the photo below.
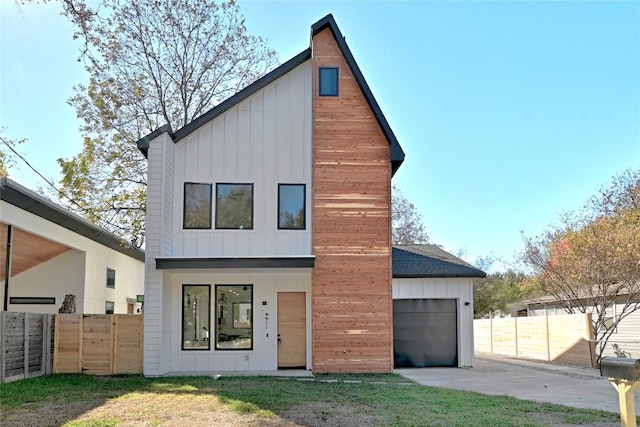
(429, 261)
(397, 154)
(29, 201)
(227, 104)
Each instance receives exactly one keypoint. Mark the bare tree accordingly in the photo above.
(150, 63)
(406, 222)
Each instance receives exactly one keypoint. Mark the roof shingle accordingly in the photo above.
(424, 261)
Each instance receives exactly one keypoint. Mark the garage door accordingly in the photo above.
(425, 333)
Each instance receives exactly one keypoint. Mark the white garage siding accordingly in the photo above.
(460, 289)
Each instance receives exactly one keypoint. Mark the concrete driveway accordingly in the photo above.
(541, 382)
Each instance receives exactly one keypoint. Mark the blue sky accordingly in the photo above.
(509, 112)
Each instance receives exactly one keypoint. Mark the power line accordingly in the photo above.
(87, 210)
(42, 176)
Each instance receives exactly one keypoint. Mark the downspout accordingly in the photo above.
(7, 265)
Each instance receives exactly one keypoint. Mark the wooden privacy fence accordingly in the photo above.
(100, 344)
(562, 338)
(25, 345)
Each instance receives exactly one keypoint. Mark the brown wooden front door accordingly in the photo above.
(292, 330)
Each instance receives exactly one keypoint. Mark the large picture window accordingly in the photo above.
(234, 206)
(197, 205)
(196, 309)
(291, 206)
(234, 314)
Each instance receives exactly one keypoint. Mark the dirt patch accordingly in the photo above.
(327, 414)
(143, 410)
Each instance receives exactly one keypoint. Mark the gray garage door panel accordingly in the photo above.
(425, 333)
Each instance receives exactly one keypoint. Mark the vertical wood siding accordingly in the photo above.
(352, 306)
(98, 344)
(264, 140)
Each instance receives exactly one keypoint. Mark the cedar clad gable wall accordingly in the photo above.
(351, 296)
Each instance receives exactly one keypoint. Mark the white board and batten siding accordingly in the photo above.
(460, 289)
(265, 141)
(263, 356)
(158, 231)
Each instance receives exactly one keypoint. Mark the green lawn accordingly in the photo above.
(344, 400)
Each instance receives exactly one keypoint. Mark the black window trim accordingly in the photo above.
(252, 205)
(182, 347)
(215, 346)
(113, 285)
(113, 307)
(184, 205)
(32, 300)
(337, 81)
(304, 206)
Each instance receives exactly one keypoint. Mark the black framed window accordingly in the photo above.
(111, 278)
(197, 206)
(291, 206)
(109, 307)
(196, 318)
(234, 314)
(234, 206)
(328, 81)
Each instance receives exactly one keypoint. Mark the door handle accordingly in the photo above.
(279, 340)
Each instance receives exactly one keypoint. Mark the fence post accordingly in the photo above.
(46, 344)
(515, 328)
(491, 334)
(113, 329)
(26, 346)
(546, 329)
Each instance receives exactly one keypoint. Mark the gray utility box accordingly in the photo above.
(621, 368)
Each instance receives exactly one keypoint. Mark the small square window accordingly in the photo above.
(291, 206)
(328, 81)
(108, 307)
(234, 206)
(111, 278)
(197, 206)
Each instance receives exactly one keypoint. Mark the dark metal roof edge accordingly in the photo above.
(25, 199)
(143, 143)
(397, 154)
(228, 103)
(440, 276)
(235, 262)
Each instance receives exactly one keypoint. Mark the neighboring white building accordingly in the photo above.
(432, 307)
(54, 252)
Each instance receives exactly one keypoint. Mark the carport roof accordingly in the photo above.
(429, 261)
(13, 193)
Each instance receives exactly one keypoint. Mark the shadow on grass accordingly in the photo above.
(345, 400)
